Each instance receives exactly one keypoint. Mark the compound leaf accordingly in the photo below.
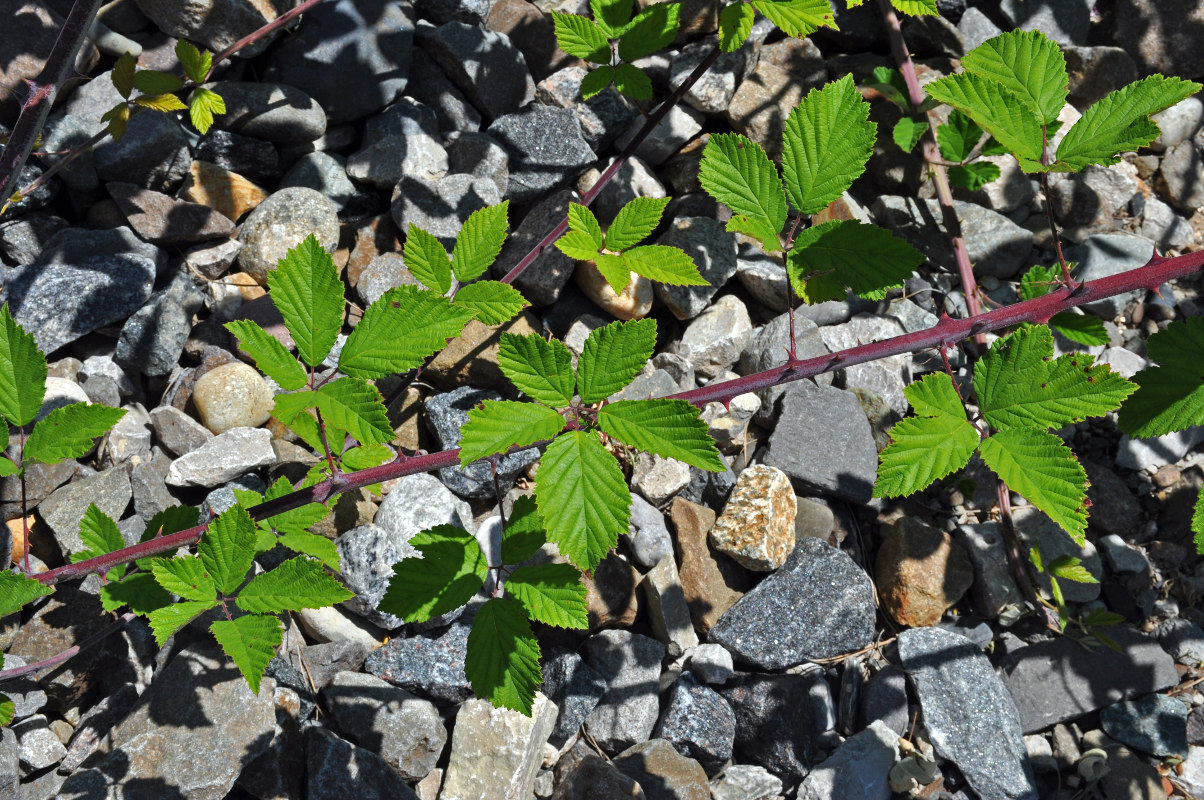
(1027, 64)
(1171, 395)
(502, 663)
(598, 80)
(203, 105)
(498, 425)
(427, 259)
(581, 37)
(738, 173)
(633, 82)
(865, 258)
(196, 63)
(827, 141)
(541, 369)
(356, 406)
(17, 590)
(480, 241)
(582, 496)
(399, 331)
(7, 467)
(524, 533)
(123, 74)
(160, 102)
(311, 544)
(250, 642)
(228, 548)
(296, 584)
(934, 443)
(69, 432)
(452, 569)
(550, 593)
(152, 81)
(22, 372)
(999, 111)
(167, 620)
(140, 591)
(652, 29)
(668, 428)
(185, 576)
(1039, 466)
(305, 287)
(117, 117)
(797, 18)
(270, 355)
(634, 222)
(491, 302)
(1040, 281)
(735, 24)
(661, 263)
(612, 356)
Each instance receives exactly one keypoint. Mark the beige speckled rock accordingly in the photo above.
(634, 302)
(756, 527)
(232, 396)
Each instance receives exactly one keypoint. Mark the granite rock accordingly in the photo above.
(857, 770)
(274, 112)
(698, 722)
(713, 251)
(1154, 724)
(445, 414)
(779, 720)
(333, 764)
(495, 752)
(281, 222)
(232, 395)
(756, 528)
(426, 665)
(484, 65)
(545, 147)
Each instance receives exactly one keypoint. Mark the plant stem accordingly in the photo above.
(93, 640)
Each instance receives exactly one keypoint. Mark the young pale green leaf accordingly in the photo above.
(311, 544)
(228, 548)
(735, 24)
(524, 532)
(8, 708)
(306, 289)
(185, 576)
(668, 428)
(634, 222)
(664, 264)
(491, 302)
(123, 74)
(541, 369)
(582, 220)
(497, 425)
(1039, 466)
(865, 258)
(1081, 328)
(827, 141)
(502, 663)
(7, 467)
(480, 241)
(578, 245)
(614, 270)
(427, 259)
(1071, 569)
(958, 137)
(936, 442)
(250, 642)
(166, 620)
(160, 102)
(399, 331)
(140, 591)
(612, 356)
(580, 37)
(652, 29)
(999, 111)
(203, 106)
(737, 172)
(550, 593)
(117, 117)
(17, 590)
(583, 498)
(797, 18)
(152, 81)
(1119, 122)
(907, 133)
(597, 81)
(196, 63)
(611, 16)
(270, 355)
(1197, 523)
(915, 8)
(973, 176)
(756, 228)
(69, 432)
(1027, 64)
(1040, 281)
(633, 82)
(296, 584)
(22, 372)
(452, 569)
(356, 406)
(1020, 385)
(1171, 395)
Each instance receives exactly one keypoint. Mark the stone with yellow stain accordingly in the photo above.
(217, 187)
(756, 528)
(248, 288)
(17, 531)
(634, 302)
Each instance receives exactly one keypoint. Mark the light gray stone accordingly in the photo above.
(1138, 454)
(177, 432)
(39, 748)
(746, 782)
(714, 339)
(223, 458)
(713, 251)
(496, 752)
(679, 126)
(1179, 123)
(1181, 174)
(712, 663)
(62, 511)
(1104, 254)
(647, 536)
(484, 65)
(1160, 224)
(282, 221)
(857, 770)
(668, 613)
(441, 207)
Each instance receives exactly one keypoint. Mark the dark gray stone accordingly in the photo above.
(272, 111)
(884, 699)
(351, 56)
(1035, 528)
(858, 770)
(254, 159)
(1064, 21)
(178, 432)
(479, 155)
(1106, 254)
(22, 240)
(1183, 639)
(603, 117)
(699, 723)
(403, 140)
(10, 768)
(713, 251)
(288, 676)
(323, 173)
(970, 717)
(426, 665)
(1154, 724)
(429, 86)
(546, 149)
(152, 339)
(484, 65)
(472, 12)
(445, 414)
(574, 687)
(153, 153)
(779, 719)
(334, 765)
(83, 280)
(630, 663)
(440, 207)
(323, 661)
(37, 198)
(542, 282)
(817, 605)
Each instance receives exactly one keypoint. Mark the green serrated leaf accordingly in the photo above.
(652, 29)
(7, 467)
(1170, 396)
(1081, 328)
(583, 498)
(1071, 569)
(541, 369)
(69, 432)
(491, 302)
(497, 425)
(826, 143)
(118, 118)
(452, 569)
(152, 81)
(172, 519)
(427, 260)
(366, 457)
(250, 642)
(311, 544)
(292, 410)
(502, 663)
(1027, 64)
(735, 24)
(633, 82)
(524, 532)
(1020, 385)
(757, 229)
(272, 357)
(140, 591)
(101, 536)
(597, 81)
(1039, 466)
(400, 331)
(167, 620)
(1197, 523)
(356, 406)
(915, 8)
(228, 548)
(936, 442)
(1001, 112)
(611, 16)
(203, 106)
(797, 18)
(612, 356)
(123, 74)
(196, 63)
(908, 132)
(306, 289)
(8, 709)
(614, 270)
(958, 137)
(1120, 121)
(160, 102)
(185, 576)
(973, 176)
(890, 84)
(296, 584)
(663, 264)
(668, 428)
(737, 172)
(550, 593)
(480, 241)
(634, 222)
(580, 37)
(582, 220)
(1040, 281)
(864, 258)
(17, 590)
(22, 372)
(578, 245)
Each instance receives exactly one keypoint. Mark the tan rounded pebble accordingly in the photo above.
(634, 302)
(232, 396)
